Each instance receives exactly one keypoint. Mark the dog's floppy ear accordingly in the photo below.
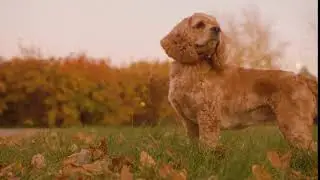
(220, 56)
(177, 43)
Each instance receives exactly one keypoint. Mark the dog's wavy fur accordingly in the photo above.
(208, 94)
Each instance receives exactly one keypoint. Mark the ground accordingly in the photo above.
(165, 146)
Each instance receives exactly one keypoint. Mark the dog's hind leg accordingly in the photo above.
(296, 122)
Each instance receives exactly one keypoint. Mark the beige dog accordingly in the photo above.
(209, 95)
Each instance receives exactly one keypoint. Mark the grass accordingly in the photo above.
(241, 149)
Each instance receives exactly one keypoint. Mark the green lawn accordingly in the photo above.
(166, 145)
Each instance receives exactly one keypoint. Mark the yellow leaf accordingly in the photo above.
(146, 159)
(182, 175)
(165, 171)
(278, 162)
(125, 173)
(260, 173)
(274, 158)
(94, 168)
(38, 161)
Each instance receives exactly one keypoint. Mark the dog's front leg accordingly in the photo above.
(209, 127)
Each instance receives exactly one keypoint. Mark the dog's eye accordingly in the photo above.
(200, 25)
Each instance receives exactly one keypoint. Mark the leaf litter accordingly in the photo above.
(280, 162)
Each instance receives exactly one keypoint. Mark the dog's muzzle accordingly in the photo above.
(215, 30)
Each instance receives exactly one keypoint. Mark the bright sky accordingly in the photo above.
(131, 29)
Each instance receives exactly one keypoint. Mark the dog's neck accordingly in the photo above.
(195, 71)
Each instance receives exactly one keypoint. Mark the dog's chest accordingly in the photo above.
(185, 99)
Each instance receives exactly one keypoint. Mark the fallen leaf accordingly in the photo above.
(213, 177)
(182, 175)
(17, 138)
(94, 168)
(118, 162)
(260, 173)
(73, 148)
(285, 160)
(87, 138)
(83, 157)
(96, 154)
(99, 151)
(165, 171)
(274, 158)
(103, 146)
(8, 171)
(146, 159)
(72, 171)
(125, 173)
(78, 159)
(13, 178)
(278, 162)
(296, 174)
(4, 171)
(38, 161)
(90, 169)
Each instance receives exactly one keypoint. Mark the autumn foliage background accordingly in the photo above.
(80, 90)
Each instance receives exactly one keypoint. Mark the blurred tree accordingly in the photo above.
(252, 43)
(305, 71)
(29, 51)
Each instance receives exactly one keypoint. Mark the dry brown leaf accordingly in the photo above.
(118, 162)
(146, 159)
(4, 171)
(87, 138)
(165, 171)
(94, 168)
(285, 160)
(182, 175)
(74, 170)
(38, 161)
(73, 148)
(13, 178)
(298, 175)
(78, 159)
(260, 173)
(17, 138)
(274, 158)
(11, 141)
(96, 154)
(8, 171)
(103, 146)
(213, 177)
(125, 173)
(100, 151)
(277, 161)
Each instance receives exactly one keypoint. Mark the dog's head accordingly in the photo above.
(194, 39)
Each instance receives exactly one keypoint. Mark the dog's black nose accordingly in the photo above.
(215, 29)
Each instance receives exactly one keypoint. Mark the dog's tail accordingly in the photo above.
(312, 83)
